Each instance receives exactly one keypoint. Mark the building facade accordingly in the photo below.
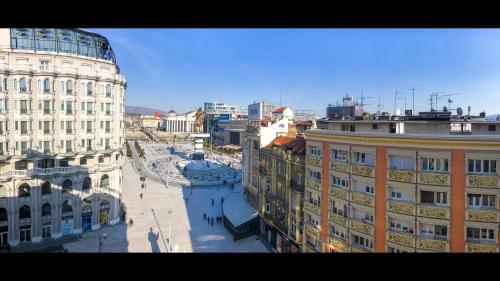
(281, 193)
(182, 123)
(61, 133)
(390, 192)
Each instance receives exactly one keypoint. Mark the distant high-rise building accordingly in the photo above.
(349, 108)
(262, 110)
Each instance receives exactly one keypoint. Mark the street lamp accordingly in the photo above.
(169, 228)
(101, 240)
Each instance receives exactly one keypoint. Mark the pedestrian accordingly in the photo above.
(140, 195)
(208, 220)
(213, 202)
(131, 222)
(222, 200)
(204, 216)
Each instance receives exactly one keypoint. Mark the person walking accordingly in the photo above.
(213, 202)
(222, 200)
(204, 216)
(208, 220)
(140, 195)
(131, 222)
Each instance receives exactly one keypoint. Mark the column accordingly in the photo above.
(56, 213)
(13, 222)
(325, 179)
(77, 215)
(457, 202)
(95, 212)
(380, 198)
(36, 217)
(114, 210)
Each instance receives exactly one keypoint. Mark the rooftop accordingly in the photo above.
(296, 145)
(279, 110)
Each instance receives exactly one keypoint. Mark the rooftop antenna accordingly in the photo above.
(413, 97)
(396, 101)
(363, 98)
(450, 101)
(434, 95)
(379, 106)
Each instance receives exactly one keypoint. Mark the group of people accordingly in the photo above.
(210, 220)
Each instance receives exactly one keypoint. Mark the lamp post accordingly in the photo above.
(169, 228)
(101, 240)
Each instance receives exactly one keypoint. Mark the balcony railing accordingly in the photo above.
(337, 244)
(360, 170)
(432, 244)
(482, 215)
(404, 239)
(402, 207)
(355, 248)
(339, 166)
(339, 192)
(314, 184)
(311, 208)
(362, 198)
(312, 230)
(432, 178)
(338, 219)
(481, 248)
(482, 181)
(432, 211)
(401, 175)
(361, 226)
(312, 160)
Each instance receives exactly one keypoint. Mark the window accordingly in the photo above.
(90, 91)
(374, 126)
(492, 128)
(481, 201)
(401, 162)
(22, 85)
(15, 85)
(315, 175)
(46, 86)
(339, 155)
(89, 108)
(314, 199)
(46, 127)
(69, 147)
(339, 210)
(335, 231)
(69, 127)
(368, 218)
(403, 226)
(46, 147)
(480, 234)
(108, 109)
(361, 241)
(69, 107)
(482, 166)
(441, 230)
(89, 126)
(369, 189)
(46, 107)
(87, 182)
(67, 186)
(3, 192)
(434, 164)
(268, 208)
(24, 190)
(314, 151)
(23, 106)
(108, 90)
(24, 128)
(336, 181)
(44, 65)
(69, 87)
(427, 197)
(396, 195)
(46, 188)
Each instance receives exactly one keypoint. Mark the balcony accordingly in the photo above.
(401, 175)
(339, 166)
(360, 226)
(312, 160)
(337, 244)
(482, 181)
(360, 170)
(355, 248)
(432, 244)
(402, 207)
(482, 215)
(362, 198)
(9, 174)
(401, 238)
(311, 208)
(481, 248)
(314, 184)
(433, 178)
(433, 211)
(338, 219)
(339, 192)
(312, 230)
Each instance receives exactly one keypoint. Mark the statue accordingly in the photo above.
(198, 123)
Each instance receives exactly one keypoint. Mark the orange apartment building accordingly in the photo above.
(402, 186)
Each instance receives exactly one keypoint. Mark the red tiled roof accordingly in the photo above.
(279, 110)
(296, 145)
(304, 122)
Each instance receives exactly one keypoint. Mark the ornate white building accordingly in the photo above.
(182, 123)
(61, 133)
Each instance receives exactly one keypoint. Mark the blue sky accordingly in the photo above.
(182, 68)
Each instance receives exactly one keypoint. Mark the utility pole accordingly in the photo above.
(363, 98)
(413, 102)
(379, 106)
(396, 101)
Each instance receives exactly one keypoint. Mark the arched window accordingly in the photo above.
(87, 183)
(67, 208)
(46, 210)
(69, 87)
(89, 89)
(3, 214)
(24, 212)
(62, 87)
(23, 88)
(46, 188)
(3, 191)
(105, 181)
(15, 85)
(108, 90)
(24, 190)
(67, 186)
(46, 85)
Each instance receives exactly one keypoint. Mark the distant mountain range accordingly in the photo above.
(139, 110)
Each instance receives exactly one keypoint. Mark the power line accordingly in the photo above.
(413, 97)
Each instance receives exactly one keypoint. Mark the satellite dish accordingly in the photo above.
(460, 112)
(445, 109)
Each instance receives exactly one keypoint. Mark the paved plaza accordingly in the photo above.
(151, 227)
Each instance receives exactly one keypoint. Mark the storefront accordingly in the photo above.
(104, 214)
(86, 215)
(67, 218)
